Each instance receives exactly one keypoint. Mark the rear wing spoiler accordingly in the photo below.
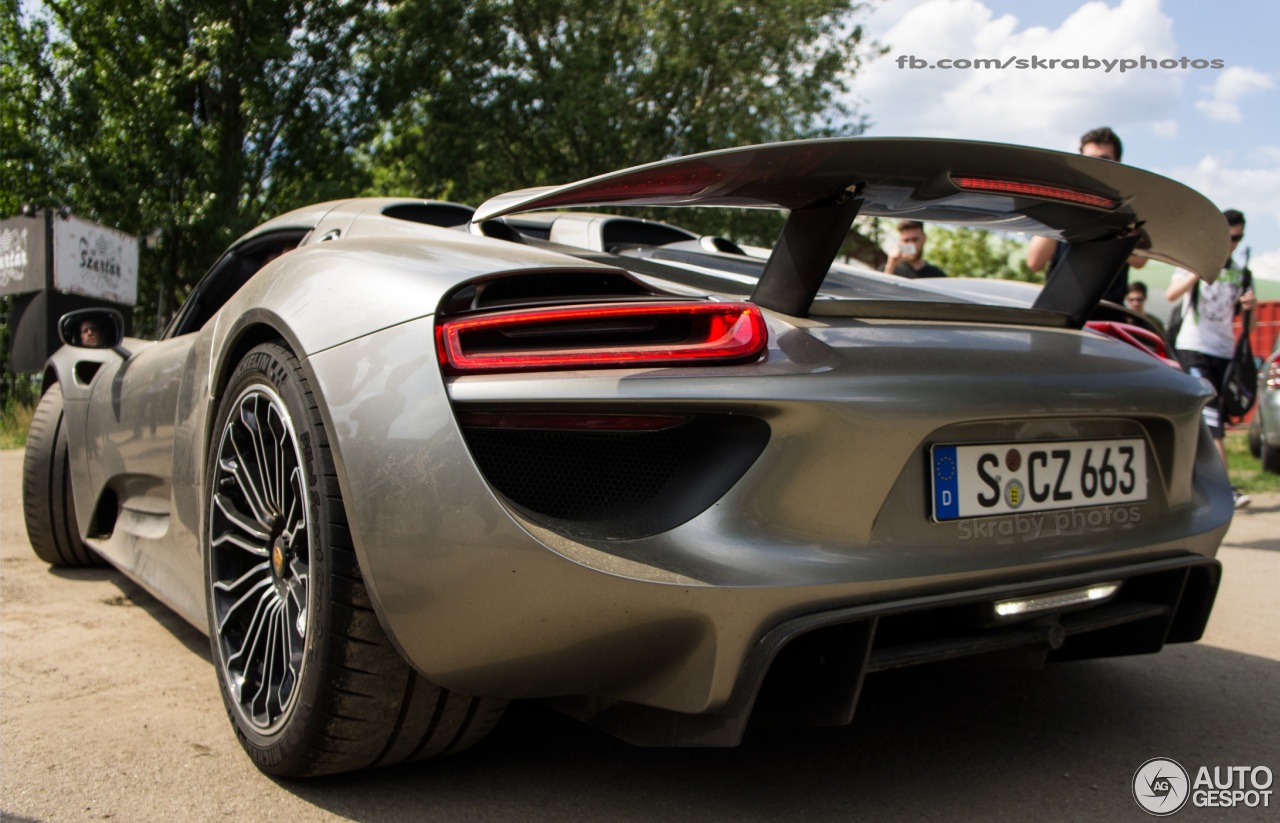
(1104, 210)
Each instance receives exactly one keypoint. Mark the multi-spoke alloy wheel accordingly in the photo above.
(260, 551)
(311, 682)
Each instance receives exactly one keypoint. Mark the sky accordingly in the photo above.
(1214, 129)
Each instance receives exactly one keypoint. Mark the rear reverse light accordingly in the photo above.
(603, 336)
(987, 184)
(1057, 600)
(1136, 336)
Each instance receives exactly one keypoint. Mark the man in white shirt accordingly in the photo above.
(1207, 339)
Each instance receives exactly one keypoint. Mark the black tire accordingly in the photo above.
(46, 489)
(346, 700)
(1270, 459)
(1255, 437)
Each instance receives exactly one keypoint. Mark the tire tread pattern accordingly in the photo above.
(47, 501)
(1270, 457)
(374, 709)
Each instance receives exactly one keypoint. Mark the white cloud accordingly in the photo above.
(1154, 109)
(1045, 107)
(1231, 85)
(1221, 110)
(1266, 266)
(885, 16)
(1250, 187)
(1238, 81)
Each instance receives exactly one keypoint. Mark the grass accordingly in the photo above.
(1246, 471)
(14, 422)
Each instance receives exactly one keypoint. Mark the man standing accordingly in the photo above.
(907, 260)
(1136, 301)
(1206, 340)
(1104, 144)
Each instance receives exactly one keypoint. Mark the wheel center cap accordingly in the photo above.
(277, 558)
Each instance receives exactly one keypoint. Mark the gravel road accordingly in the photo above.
(109, 711)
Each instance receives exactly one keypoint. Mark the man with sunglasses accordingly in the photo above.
(1206, 340)
(1135, 299)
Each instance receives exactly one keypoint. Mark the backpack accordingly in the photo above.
(1174, 325)
(1240, 383)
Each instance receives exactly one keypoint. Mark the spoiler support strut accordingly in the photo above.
(1084, 274)
(807, 247)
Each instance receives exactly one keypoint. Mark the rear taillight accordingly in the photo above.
(618, 335)
(996, 186)
(1136, 336)
(1273, 375)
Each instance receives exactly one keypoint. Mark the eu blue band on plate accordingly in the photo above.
(946, 484)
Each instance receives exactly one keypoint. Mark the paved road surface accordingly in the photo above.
(109, 711)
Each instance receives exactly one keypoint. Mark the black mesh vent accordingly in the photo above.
(433, 214)
(641, 233)
(578, 475)
(617, 484)
(515, 290)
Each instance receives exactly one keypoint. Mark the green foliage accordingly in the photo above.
(15, 420)
(1245, 469)
(189, 119)
(532, 92)
(969, 252)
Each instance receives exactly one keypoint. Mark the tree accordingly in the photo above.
(970, 252)
(189, 119)
(192, 120)
(533, 92)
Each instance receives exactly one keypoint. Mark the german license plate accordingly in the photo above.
(1004, 478)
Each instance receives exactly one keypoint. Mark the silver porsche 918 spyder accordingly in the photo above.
(405, 461)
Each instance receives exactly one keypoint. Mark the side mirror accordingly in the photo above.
(93, 329)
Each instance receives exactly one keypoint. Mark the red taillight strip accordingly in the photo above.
(1136, 336)
(686, 180)
(727, 333)
(988, 184)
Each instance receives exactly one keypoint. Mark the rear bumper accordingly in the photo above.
(831, 517)
(809, 670)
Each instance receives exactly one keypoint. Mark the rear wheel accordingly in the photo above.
(47, 501)
(1270, 458)
(309, 678)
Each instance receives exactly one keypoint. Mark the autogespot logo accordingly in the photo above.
(1161, 786)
